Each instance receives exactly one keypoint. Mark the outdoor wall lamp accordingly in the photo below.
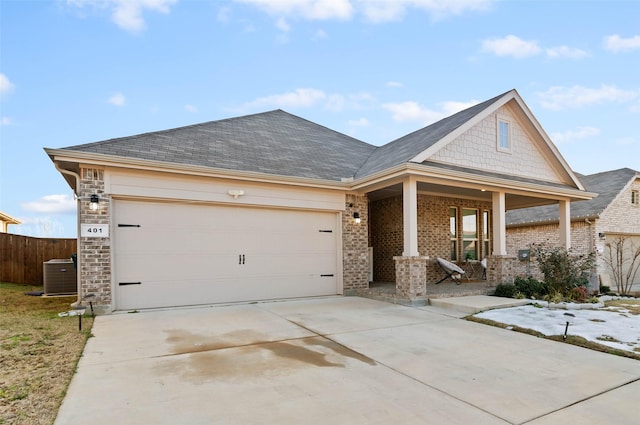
(356, 217)
(94, 201)
(601, 235)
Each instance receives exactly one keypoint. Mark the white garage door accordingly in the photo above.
(175, 254)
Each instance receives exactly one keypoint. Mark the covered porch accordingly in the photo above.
(458, 215)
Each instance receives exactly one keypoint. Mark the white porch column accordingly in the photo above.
(499, 223)
(410, 216)
(565, 224)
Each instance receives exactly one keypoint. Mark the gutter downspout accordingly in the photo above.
(77, 177)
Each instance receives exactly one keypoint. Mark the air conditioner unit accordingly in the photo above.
(60, 277)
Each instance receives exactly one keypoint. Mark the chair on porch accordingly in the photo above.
(452, 271)
(483, 263)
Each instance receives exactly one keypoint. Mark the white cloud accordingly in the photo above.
(412, 111)
(190, 108)
(511, 46)
(518, 48)
(319, 35)
(5, 121)
(557, 98)
(616, 44)
(566, 52)
(573, 135)
(6, 86)
(394, 84)
(374, 11)
(282, 25)
(117, 99)
(394, 10)
(127, 14)
(52, 204)
(307, 9)
(309, 97)
(626, 141)
(362, 122)
(224, 14)
(299, 98)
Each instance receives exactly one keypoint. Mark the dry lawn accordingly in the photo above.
(39, 352)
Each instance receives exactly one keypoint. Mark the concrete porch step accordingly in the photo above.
(475, 303)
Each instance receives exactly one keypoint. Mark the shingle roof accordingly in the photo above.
(607, 185)
(274, 142)
(402, 150)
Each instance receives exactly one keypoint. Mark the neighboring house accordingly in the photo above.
(271, 205)
(613, 213)
(5, 221)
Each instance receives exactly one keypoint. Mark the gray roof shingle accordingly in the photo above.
(403, 149)
(274, 142)
(607, 185)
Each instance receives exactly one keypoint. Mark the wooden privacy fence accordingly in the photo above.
(21, 257)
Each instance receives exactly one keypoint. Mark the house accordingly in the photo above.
(271, 206)
(5, 221)
(594, 223)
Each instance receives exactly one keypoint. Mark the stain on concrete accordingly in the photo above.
(184, 341)
(224, 361)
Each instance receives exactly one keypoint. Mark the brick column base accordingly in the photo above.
(411, 278)
(501, 269)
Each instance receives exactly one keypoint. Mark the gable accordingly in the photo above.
(476, 148)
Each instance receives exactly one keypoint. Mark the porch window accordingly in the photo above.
(469, 234)
(453, 232)
(486, 241)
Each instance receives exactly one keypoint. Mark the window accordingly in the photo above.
(470, 234)
(453, 232)
(503, 135)
(486, 241)
(635, 197)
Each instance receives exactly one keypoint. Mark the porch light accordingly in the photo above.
(94, 200)
(356, 217)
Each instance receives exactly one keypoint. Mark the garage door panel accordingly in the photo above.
(187, 254)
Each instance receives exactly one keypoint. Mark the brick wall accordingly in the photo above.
(94, 254)
(583, 241)
(355, 243)
(433, 232)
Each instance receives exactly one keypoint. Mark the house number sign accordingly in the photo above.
(94, 230)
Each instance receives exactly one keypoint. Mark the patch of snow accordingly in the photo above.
(613, 328)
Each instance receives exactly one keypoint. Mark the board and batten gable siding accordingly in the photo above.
(477, 149)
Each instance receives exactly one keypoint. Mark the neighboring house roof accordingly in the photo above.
(607, 184)
(6, 220)
(274, 142)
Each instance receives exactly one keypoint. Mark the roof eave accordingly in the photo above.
(64, 155)
(490, 182)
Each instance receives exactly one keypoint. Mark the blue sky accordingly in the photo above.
(79, 71)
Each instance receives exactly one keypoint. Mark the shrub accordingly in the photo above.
(579, 294)
(562, 269)
(530, 287)
(506, 290)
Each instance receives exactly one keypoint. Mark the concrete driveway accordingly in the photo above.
(338, 361)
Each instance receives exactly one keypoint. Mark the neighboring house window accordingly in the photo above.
(470, 234)
(453, 232)
(635, 197)
(486, 241)
(504, 134)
